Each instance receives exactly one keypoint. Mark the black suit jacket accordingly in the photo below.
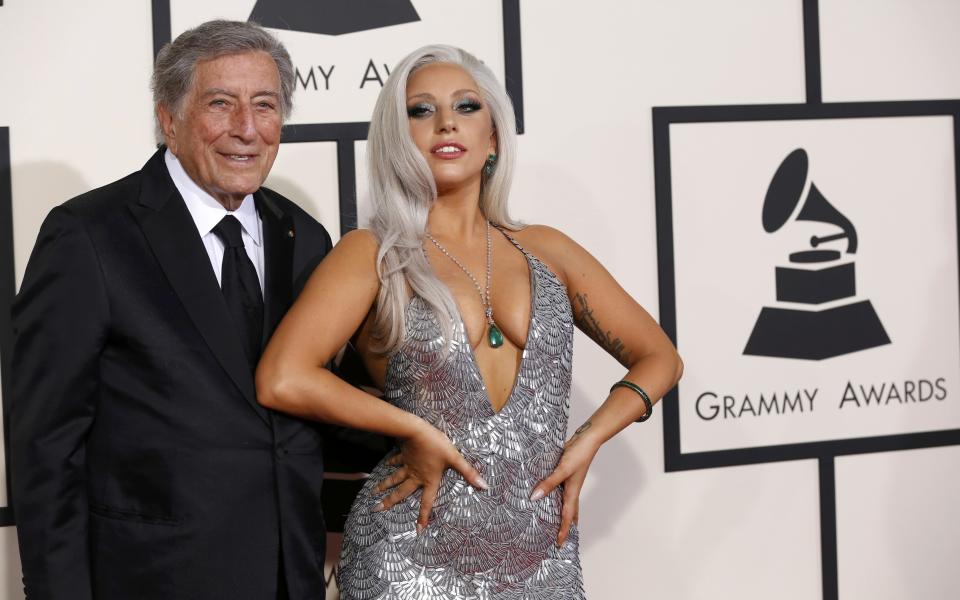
(142, 465)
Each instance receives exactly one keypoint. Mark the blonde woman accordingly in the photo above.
(465, 319)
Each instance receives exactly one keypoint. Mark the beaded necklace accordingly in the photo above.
(494, 335)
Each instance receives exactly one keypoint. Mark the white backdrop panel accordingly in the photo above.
(77, 99)
(889, 547)
(893, 178)
(347, 69)
(307, 171)
(889, 49)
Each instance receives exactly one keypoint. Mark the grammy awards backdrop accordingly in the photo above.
(808, 335)
(776, 181)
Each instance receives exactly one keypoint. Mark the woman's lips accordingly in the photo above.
(448, 150)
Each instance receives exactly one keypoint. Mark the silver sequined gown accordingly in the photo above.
(489, 545)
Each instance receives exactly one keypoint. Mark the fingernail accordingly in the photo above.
(377, 508)
(420, 528)
(536, 495)
(482, 483)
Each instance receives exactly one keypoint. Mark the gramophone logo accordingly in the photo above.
(332, 17)
(813, 278)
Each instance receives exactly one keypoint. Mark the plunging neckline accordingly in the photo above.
(526, 343)
(430, 375)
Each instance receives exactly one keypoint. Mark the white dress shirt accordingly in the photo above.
(207, 212)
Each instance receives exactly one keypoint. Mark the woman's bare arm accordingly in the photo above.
(616, 322)
(292, 376)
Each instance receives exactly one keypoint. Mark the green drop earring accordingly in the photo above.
(490, 165)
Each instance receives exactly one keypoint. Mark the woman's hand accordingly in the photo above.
(422, 460)
(571, 471)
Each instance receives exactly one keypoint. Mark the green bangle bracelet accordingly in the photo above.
(639, 390)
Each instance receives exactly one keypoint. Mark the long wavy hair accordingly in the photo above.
(402, 190)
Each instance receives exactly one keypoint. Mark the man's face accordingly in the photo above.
(228, 130)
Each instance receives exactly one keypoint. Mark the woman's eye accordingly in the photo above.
(418, 111)
(468, 106)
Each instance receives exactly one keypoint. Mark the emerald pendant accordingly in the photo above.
(494, 336)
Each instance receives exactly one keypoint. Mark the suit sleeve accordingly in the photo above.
(59, 322)
(313, 251)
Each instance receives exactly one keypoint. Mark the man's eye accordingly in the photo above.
(266, 105)
(418, 111)
(218, 102)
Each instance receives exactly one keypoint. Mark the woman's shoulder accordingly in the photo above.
(356, 250)
(548, 244)
(359, 243)
(359, 239)
(543, 238)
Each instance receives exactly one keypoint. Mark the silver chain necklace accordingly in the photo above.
(494, 335)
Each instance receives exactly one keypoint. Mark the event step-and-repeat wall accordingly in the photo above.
(775, 180)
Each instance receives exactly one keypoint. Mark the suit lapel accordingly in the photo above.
(172, 234)
(278, 234)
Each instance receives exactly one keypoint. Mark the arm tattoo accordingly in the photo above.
(580, 430)
(584, 317)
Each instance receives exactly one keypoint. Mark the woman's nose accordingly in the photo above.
(446, 121)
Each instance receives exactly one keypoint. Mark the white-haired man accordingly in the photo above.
(142, 465)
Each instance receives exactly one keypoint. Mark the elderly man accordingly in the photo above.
(142, 465)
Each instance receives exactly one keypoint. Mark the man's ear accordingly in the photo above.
(167, 126)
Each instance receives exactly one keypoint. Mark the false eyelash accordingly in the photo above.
(470, 103)
(419, 110)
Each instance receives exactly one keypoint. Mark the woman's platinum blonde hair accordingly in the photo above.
(402, 190)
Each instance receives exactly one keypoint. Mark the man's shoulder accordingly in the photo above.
(285, 204)
(301, 217)
(107, 198)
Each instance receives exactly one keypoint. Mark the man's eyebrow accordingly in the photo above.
(266, 93)
(221, 91)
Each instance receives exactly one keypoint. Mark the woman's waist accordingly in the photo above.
(503, 468)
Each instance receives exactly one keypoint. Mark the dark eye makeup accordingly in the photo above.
(422, 110)
(468, 105)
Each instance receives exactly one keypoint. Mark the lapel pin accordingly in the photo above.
(290, 233)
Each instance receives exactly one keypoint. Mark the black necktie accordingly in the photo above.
(241, 287)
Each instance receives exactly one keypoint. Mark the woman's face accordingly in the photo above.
(450, 124)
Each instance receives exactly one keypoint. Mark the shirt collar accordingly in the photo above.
(204, 209)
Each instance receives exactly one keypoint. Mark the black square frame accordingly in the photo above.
(825, 451)
(7, 288)
(663, 117)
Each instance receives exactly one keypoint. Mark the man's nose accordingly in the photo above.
(242, 123)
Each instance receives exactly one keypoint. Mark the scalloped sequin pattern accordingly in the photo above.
(479, 545)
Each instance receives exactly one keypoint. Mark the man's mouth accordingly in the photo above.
(239, 157)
